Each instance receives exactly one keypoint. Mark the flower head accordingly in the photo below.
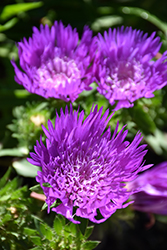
(55, 63)
(126, 70)
(152, 193)
(86, 168)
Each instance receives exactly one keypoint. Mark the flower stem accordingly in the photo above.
(78, 242)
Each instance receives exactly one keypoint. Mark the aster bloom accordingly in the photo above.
(126, 70)
(152, 194)
(85, 167)
(54, 62)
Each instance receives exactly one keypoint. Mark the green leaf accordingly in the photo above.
(4, 179)
(18, 194)
(41, 106)
(86, 93)
(72, 228)
(21, 93)
(43, 228)
(62, 219)
(5, 197)
(88, 232)
(8, 24)
(15, 234)
(49, 234)
(89, 245)
(106, 22)
(45, 205)
(36, 240)
(13, 9)
(142, 119)
(10, 187)
(161, 218)
(37, 221)
(36, 248)
(30, 232)
(83, 225)
(46, 184)
(6, 217)
(157, 141)
(36, 188)
(46, 231)
(11, 152)
(24, 168)
(58, 226)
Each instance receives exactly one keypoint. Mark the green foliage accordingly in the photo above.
(90, 245)
(158, 142)
(8, 24)
(23, 224)
(14, 9)
(20, 229)
(142, 119)
(26, 126)
(147, 16)
(61, 236)
(24, 168)
(19, 152)
(106, 22)
(14, 213)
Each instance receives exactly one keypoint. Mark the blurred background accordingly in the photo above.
(125, 229)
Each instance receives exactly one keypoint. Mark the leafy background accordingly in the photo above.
(22, 223)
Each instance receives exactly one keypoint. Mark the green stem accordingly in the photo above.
(78, 241)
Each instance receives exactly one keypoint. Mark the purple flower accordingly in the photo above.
(55, 63)
(152, 193)
(85, 167)
(126, 70)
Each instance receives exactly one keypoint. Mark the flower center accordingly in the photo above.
(57, 72)
(125, 76)
(83, 182)
(125, 71)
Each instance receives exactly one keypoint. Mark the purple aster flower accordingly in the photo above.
(87, 168)
(126, 70)
(55, 63)
(152, 194)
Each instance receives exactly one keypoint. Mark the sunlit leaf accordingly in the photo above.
(14, 9)
(29, 231)
(24, 168)
(158, 141)
(45, 205)
(8, 24)
(5, 197)
(11, 152)
(21, 93)
(106, 22)
(35, 188)
(89, 245)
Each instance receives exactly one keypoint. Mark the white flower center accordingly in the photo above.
(125, 76)
(57, 72)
